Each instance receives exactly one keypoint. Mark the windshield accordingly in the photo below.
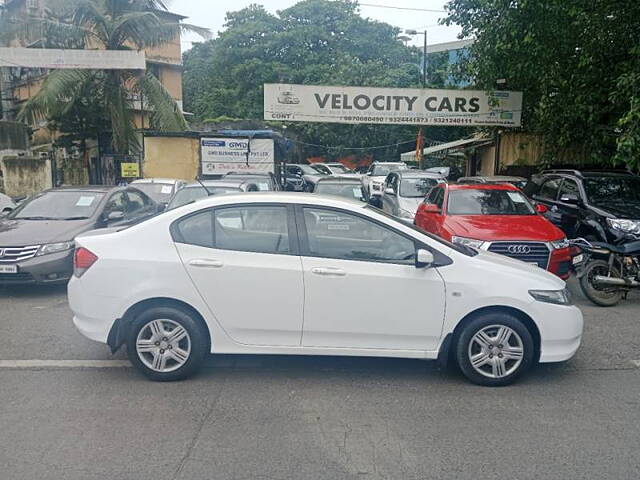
(604, 190)
(468, 251)
(339, 169)
(384, 170)
(59, 205)
(350, 190)
(158, 192)
(416, 187)
(263, 183)
(322, 169)
(191, 194)
(488, 202)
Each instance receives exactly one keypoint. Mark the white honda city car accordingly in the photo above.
(289, 273)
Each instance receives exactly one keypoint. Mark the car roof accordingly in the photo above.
(592, 173)
(481, 186)
(86, 188)
(319, 200)
(217, 183)
(167, 181)
(339, 179)
(494, 178)
(417, 174)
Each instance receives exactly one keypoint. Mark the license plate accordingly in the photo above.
(8, 269)
(577, 259)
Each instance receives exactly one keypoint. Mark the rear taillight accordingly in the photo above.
(82, 260)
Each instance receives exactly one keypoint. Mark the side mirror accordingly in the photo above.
(115, 216)
(424, 258)
(569, 198)
(389, 191)
(540, 208)
(431, 208)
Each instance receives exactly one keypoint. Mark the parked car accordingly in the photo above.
(204, 188)
(294, 183)
(6, 204)
(519, 182)
(404, 191)
(37, 238)
(310, 174)
(596, 205)
(496, 218)
(347, 279)
(159, 189)
(346, 187)
(373, 180)
(265, 182)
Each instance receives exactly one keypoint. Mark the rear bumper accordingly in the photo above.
(45, 269)
(93, 315)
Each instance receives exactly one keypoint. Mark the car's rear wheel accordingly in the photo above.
(167, 343)
(494, 349)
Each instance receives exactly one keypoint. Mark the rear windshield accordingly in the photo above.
(349, 190)
(488, 202)
(158, 192)
(416, 187)
(59, 205)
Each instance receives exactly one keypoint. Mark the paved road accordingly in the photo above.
(277, 417)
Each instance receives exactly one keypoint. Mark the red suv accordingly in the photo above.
(497, 218)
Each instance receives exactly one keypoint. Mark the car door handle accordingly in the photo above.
(206, 263)
(329, 271)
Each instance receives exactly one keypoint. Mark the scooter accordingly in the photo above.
(607, 272)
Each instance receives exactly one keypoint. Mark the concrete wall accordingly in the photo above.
(171, 157)
(25, 175)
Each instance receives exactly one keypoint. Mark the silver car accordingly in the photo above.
(405, 189)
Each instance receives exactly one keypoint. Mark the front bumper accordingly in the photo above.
(560, 330)
(45, 269)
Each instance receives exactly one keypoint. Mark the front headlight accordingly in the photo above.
(467, 242)
(406, 214)
(625, 226)
(557, 297)
(55, 247)
(558, 244)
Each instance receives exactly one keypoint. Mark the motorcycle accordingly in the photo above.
(607, 272)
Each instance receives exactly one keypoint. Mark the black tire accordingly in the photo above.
(464, 345)
(604, 297)
(197, 337)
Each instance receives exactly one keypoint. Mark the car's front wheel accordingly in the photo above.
(167, 343)
(494, 349)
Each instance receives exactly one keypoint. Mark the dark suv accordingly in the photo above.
(596, 205)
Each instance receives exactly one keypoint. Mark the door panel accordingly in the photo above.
(247, 270)
(362, 289)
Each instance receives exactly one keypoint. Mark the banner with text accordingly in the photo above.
(409, 106)
(224, 155)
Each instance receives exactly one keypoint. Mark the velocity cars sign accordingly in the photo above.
(409, 106)
(224, 155)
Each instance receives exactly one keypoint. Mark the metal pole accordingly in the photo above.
(424, 62)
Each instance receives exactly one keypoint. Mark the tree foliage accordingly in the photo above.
(102, 24)
(315, 42)
(576, 62)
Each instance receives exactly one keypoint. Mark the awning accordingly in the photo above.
(455, 145)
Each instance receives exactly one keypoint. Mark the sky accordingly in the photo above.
(211, 14)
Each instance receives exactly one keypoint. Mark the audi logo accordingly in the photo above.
(519, 249)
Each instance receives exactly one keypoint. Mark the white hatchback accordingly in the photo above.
(286, 273)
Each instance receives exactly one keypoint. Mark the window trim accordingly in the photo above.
(294, 243)
(304, 235)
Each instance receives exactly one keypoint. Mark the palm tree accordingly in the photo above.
(113, 25)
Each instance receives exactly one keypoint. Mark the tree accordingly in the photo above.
(113, 25)
(574, 61)
(314, 42)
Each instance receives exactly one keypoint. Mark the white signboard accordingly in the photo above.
(73, 58)
(224, 155)
(410, 106)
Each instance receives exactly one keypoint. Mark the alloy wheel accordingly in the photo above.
(496, 351)
(163, 345)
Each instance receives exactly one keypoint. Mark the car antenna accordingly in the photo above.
(205, 188)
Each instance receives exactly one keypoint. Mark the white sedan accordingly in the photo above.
(286, 273)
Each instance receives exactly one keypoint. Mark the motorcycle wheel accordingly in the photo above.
(603, 296)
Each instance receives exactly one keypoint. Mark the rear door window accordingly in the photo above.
(255, 228)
